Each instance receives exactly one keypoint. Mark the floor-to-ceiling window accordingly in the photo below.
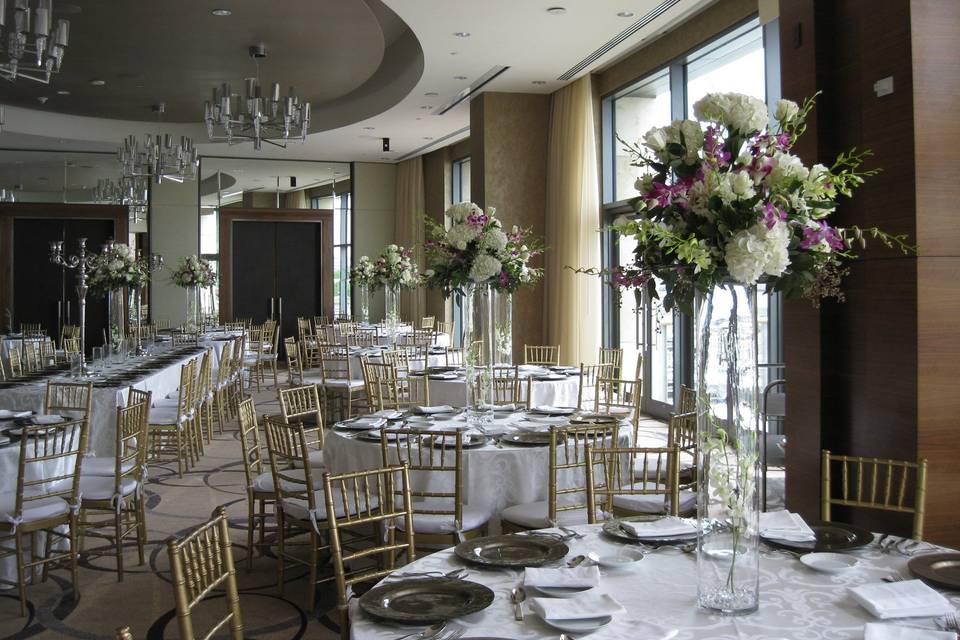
(460, 192)
(342, 247)
(656, 343)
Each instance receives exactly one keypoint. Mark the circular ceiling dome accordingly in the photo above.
(176, 51)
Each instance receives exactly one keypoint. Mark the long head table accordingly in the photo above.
(659, 594)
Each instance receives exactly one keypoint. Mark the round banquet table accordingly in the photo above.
(493, 477)
(659, 595)
(556, 393)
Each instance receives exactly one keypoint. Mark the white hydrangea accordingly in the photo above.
(484, 267)
(786, 167)
(459, 235)
(786, 111)
(494, 240)
(735, 186)
(758, 250)
(459, 212)
(738, 112)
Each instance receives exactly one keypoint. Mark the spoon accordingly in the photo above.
(430, 632)
(576, 561)
(564, 636)
(517, 595)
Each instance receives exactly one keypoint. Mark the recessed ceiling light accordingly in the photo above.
(462, 34)
(63, 92)
(557, 11)
(98, 83)
(453, 53)
(625, 14)
(431, 94)
(539, 82)
(221, 13)
(369, 128)
(459, 77)
(427, 137)
(426, 106)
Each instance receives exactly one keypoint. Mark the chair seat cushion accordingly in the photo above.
(167, 403)
(164, 416)
(299, 508)
(94, 466)
(688, 467)
(316, 459)
(431, 523)
(264, 482)
(640, 503)
(533, 515)
(32, 511)
(343, 383)
(102, 487)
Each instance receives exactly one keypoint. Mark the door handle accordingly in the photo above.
(272, 307)
(69, 314)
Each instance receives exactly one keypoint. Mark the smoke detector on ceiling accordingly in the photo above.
(258, 51)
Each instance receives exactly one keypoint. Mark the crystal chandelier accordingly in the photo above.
(6, 195)
(132, 192)
(35, 47)
(158, 157)
(271, 119)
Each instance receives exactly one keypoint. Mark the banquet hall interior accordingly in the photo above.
(437, 319)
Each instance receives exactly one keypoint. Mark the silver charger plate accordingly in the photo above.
(512, 550)
(613, 529)
(425, 600)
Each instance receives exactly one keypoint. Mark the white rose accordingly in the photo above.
(655, 139)
(484, 267)
(787, 110)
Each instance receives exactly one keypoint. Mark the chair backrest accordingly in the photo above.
(74, 397)
(508, 387)
(590, 377)
(255, 337)
(185, 394)
(294, 363)
(202, 563)
(682, 434)
(204, 379)
(131, 445)
(71, 345)
(50, 460)
(184, 338)
(541, 354)
(136, 396)
(300, 403)
(250, 440)
(568, 464)
(304, 328)
(16, 364)
(428, 322)
(444, 327)
(437, 454)
(362, 338)
(225, 367)
(289, 454)
(688, 399)
(454, 357)
(31, 329)
(31, 354)
(612, 356)
(623, 395)
(618, 468)
(334, 363)
(387, 390)
(874, 483)
(365, 498)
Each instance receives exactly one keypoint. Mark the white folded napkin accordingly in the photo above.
(551, 410)
(624, 627)
(369, 421)
(7, 414)
(548, 419)
(785, 525)
(880, 631)
(582, 607)
(389, 414)
(529, 426)
(47, 419)
(503, 408)
(662, 528)
(442, 408)
(904, 599)
(576, 577)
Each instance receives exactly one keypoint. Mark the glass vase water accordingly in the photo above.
(190, 322)
(503, 327)
(363, 302)
(725, 370)
(479, 347)
(391, 303)
(116, 311)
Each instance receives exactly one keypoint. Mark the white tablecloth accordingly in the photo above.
(659, 594)
(494, 477)
(557, 393)
(7, 341)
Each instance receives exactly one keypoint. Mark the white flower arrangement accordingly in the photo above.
(194, 271)
(395, 267)
(115, 268)
(364, 273)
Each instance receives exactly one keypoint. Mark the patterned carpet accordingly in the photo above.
(144, 600)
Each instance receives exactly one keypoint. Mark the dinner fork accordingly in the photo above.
(893, 577)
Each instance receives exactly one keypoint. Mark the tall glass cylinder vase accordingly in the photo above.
(190, 321)
(728, 506)
(116, 318)
(363, 303)
(503, 327)
(391, 304)
(479, 344)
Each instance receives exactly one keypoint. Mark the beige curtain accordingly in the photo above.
(573, 309)
(409, 230)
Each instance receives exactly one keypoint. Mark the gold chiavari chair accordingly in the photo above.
(612, 356)
(407, 359)
(364, 338)
(338, 383)
(688, 399)
(161, 325)
(428, 322)
(509, 388)
(299, 508)
(203, 399)
(202, 565)
(32, 329)
(615, 493)
(884, 484)
(444, 328)
(31, 355)
(566, 503)
(47, 499)
(73, 399)
(252, 362)
(71, 346)
(303, 405)
(294, 364)
(370, 496)
(387, 390)
(116, 500)
(320, 321)
(544, 355)
(590, 377)
(453, 357)
(439, 515)
(171, 429)
(48, 353)
(421, 337)
(16, 364)
(682, 434)
(185, 339)
(234, 387)
(621, 398)
(260, 491)
(221, 383)
(262, 353)
(3, 373)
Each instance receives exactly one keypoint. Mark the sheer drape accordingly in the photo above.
(409, 229)
(573, 309)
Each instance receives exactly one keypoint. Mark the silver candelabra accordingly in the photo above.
(148, 265)
(83, 262)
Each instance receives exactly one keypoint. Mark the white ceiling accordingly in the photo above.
(519, 34)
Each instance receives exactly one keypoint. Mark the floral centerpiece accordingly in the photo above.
(115, 268)
(724, 205)
(193, 273)
(364, 278)
(395, 267)
(476, 249)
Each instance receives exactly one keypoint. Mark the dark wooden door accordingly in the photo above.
(298, 273)
(254, 269)
(39, 293)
